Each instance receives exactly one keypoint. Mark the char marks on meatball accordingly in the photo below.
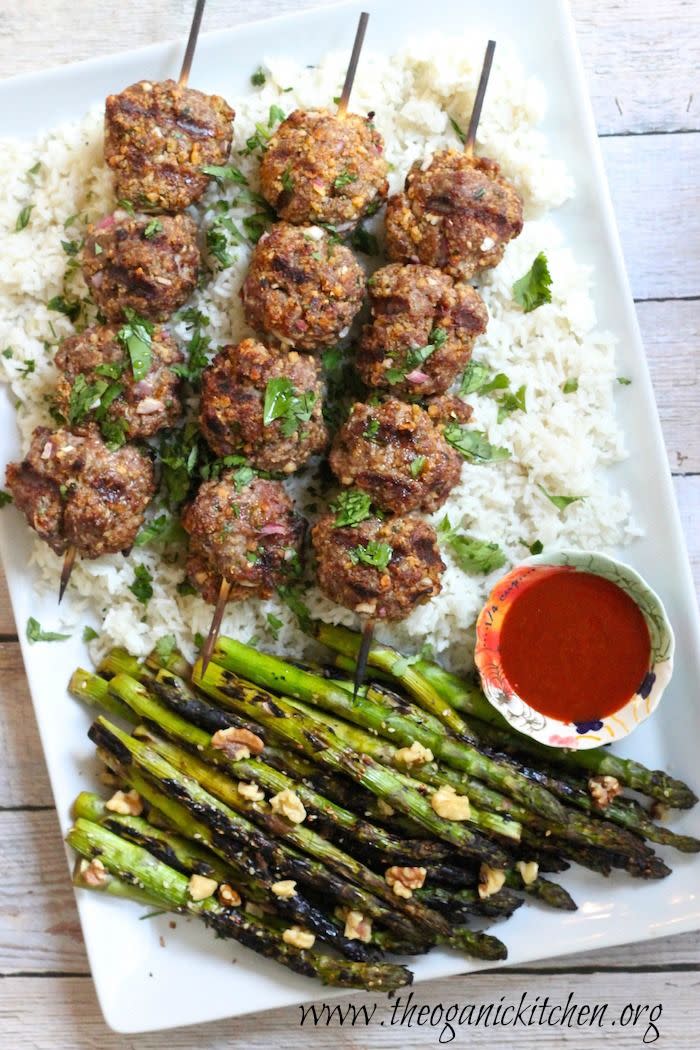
(100, 357)
(247, 534)
(75, 492)
(263, 404)
(422, 330)
(396, 454)
(457, 214)
(380, 568)
(158, 136)
(141, 263)
(302, 289)
(322, 167)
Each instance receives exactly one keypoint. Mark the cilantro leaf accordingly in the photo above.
(291, 596)
(417, 356)
(376, 554)
(371, 430)
(477, 378)
(275, 116)
(287, 179)
(363, 241)
(569, 386)
(534, 548)
(197, 358)
(344, 179)
(142, 588)
(164, 528)
(63, 306)
(5, 498)
(511, 403)
(471, 554)
(23, 217)
(153, 228)
(137, 336)
(461, 135)
(282, 402)
(221, 235)
(36, 633)
(473, 444)
(164, 648)
(258, 78)
(533, 289)
(274, 624)
(83, 397)
(560, 502)
(417, 465)
(224, 173)
(351, 507)
(89, 634)
(624, 381)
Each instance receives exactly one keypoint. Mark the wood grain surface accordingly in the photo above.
(641, 59)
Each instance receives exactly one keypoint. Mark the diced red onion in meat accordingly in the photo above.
(416, 376)
(272, 529)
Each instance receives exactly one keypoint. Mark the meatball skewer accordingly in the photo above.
(352, 65)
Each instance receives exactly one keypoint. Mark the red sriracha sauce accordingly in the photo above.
(574, 646)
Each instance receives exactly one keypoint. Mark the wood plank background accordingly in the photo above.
(642, 60)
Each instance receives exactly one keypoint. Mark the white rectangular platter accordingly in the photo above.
(140, 985)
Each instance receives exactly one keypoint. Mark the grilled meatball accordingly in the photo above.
(264, 404)
(448, 408)
(135, 261)
(74, 492)
(395, 453)
(99, 356)
(302, 290)
(422, 330)
(411, 577)
(158, 136)
(246, 534)
(458, 214)
(321, 167)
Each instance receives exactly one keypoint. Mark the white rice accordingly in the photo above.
(563, 442)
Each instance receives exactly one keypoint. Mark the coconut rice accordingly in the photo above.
(562, 443)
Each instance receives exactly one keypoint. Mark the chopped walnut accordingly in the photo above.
(110, 779)
(200, 887)
(358, 927)
(491, 880)
(603, 790)
(289, 804)
(237, 743)
(285, 888)
(93, 872)
(404, 881)
(529, 870)
(384, 809)
(448, 804)
(298, 938)
(127, 804)
(228, 896)
(251, 791)
(415, 755)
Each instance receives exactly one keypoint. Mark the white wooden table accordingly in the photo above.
(642, 59)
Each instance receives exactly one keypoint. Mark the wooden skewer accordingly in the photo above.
(68, 562)
(479, 99)
(191, 43)
(208, 648)
(363, 656)
(352, 68)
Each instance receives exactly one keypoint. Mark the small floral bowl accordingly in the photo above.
(543, 728)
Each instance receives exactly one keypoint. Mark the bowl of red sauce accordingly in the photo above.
(574, 649)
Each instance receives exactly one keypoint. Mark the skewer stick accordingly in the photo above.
(68, 562)
(363, 656)
(224, 592)
(191, 43)
(479, 99)
(352, 68)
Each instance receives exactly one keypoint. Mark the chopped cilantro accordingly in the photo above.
(472, 555)
(569, 386)
(242, 477)
(287, 179)
(417, 465)
(351, 507)
(371, 430)
(291, 596)
(154, 227)
(461, 135)
(255, 225)
(197, 358)
(417, 356)
(23, 217)
(5, 498)
(137, 336)
(142, 586)
(35, 168)
(560, 502)
(28, 367)
(282, 402)
(274, 624)
(363, 241)
(535, 548)
(477, 378)
(376, 554)
(275, 116)
(623, 380)
(7, 352)
(84, 397)
(89, 634)
(126, 206)
(198, 639)
(344, 179)
(258, 77)
(185, 587)
(164, 528)
(71, 247)
(473, 444)
(62, 306)
(533, 289)
(35, 633)
(221, 235)
(165, 647)
(511, 403)
(225, 173)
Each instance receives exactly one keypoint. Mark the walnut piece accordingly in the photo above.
(415, 755)
(250, 791)
(228, 896)
(490, 881)
(298, 938)
(237, 743)
(358, 927)
(448, 804)
(289, 804)
(93, 872)
(404, 881)
(200, 887)
(127, 804)
(603, 790)
(384, 809)
(285, 888)
(529, 870)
